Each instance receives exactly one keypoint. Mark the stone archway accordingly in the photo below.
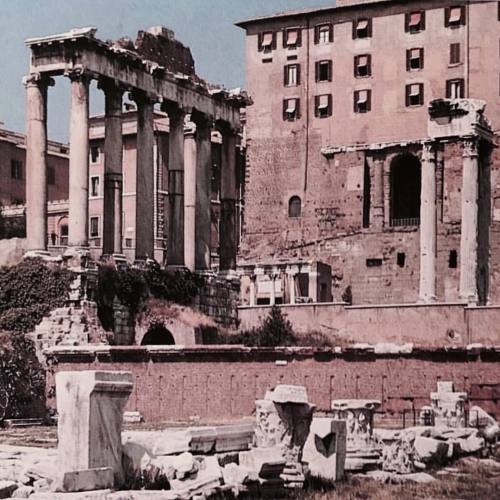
(158, 334)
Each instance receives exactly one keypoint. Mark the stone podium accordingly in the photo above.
(90, 406)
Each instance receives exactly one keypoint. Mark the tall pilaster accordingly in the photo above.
(79, 161)
(113, 169)
(203, 223)
(190, 154)
(175, 252)
(469, 230)
(378, 193)
(428, 225)
(227, 228)
(144, 198)
(36, 162)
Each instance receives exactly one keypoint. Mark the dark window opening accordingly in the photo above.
(128, 242)
(373, 262)
(94, 227)
(362, 66)
(323, 106)
(454, 53)
(16, 169)
(362, 28)
(51, 175)
(453, 259)
(63, 234)
(158, 335)
(366, 196)
(94, 186)
(405, 182)
(362, 101)
(414, 59)
(95, 152)
(415, 94)
(291, 109)
(292, 75)
(401, 259)
(455, 89)
(324, 71)
(294, 207)
(415, 22)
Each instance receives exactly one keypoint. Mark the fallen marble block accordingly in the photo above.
(287, 394)
(7, 488)
(431, 450)
(87, 480)
(266, 462)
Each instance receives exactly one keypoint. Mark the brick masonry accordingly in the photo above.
(223, 382)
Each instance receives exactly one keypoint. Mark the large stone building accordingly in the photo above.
(341, 166)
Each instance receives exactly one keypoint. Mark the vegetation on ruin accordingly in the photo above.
(275, 330)
(133, 287)
(12, 227)
(28, 292)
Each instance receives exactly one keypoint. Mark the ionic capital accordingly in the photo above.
(189, 126)
(78, 74)
(470, 147)
(428, 152)
(39, 80)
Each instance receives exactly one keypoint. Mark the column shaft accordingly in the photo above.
(378, 193)
(227, 232)
(253, 291)
(113, 171)
(272, 296)
(469, 230)
(291, 284)
(144, 198)
(203, 225)
(79, 162)
(36, 164)
(190, 154)
(175, 255)
(428, 226)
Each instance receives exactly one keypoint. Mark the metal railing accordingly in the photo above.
(414, 221)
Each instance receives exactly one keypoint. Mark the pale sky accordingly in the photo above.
(206, 26)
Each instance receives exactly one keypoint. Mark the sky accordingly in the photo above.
(206, 26)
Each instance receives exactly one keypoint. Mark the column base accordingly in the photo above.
(427, 300)
(41, 254)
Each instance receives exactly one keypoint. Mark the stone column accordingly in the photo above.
(203, 224)
(313, 284)
(291, 285)
(253, 291)
(428, 225)
(228, 245)
(113, 169)
(378, 193)
(272, 293)
(175, 252)
(145, 193)
(190, 154)
(36, 162)
(79, 161)
(469, 230)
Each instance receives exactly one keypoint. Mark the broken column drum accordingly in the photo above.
(81, 56)
(448, 406)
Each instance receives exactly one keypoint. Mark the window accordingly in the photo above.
(16, 169)
(453, 259)
(455, 89)
(294, 207)
(454, 53)
(267, 41)
(415, 22)
(95, 154)
(292, 38)
(415, 94)
(454, 16)
(63, 236)
(323, 106)
(94, 186)
(401, 259)
(362, 66)
(362, 28)
(94, 227)
(51, 175)
(323, 33)
(292, 75)
(128, 242)
(362, 101)
(414, 59)
(405, 185)
(291, 109)
(324, 71)
(373, 262)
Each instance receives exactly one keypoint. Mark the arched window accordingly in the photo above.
(294, 207)
(158, 335)
(405, 190)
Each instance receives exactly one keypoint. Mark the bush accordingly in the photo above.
(30, 291)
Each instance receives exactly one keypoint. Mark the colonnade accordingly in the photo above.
(189, 175)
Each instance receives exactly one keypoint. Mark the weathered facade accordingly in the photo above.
(341, 166)
(194, 109)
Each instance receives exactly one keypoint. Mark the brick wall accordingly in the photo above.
(223, 382)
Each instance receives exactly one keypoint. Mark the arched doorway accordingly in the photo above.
(405, 190)
(157, 334)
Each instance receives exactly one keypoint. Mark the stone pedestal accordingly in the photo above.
(325, 448)
(448, 406)
(90, 406)
(428, 224)
(79, 162)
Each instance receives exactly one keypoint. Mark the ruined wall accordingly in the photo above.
(223, 383)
